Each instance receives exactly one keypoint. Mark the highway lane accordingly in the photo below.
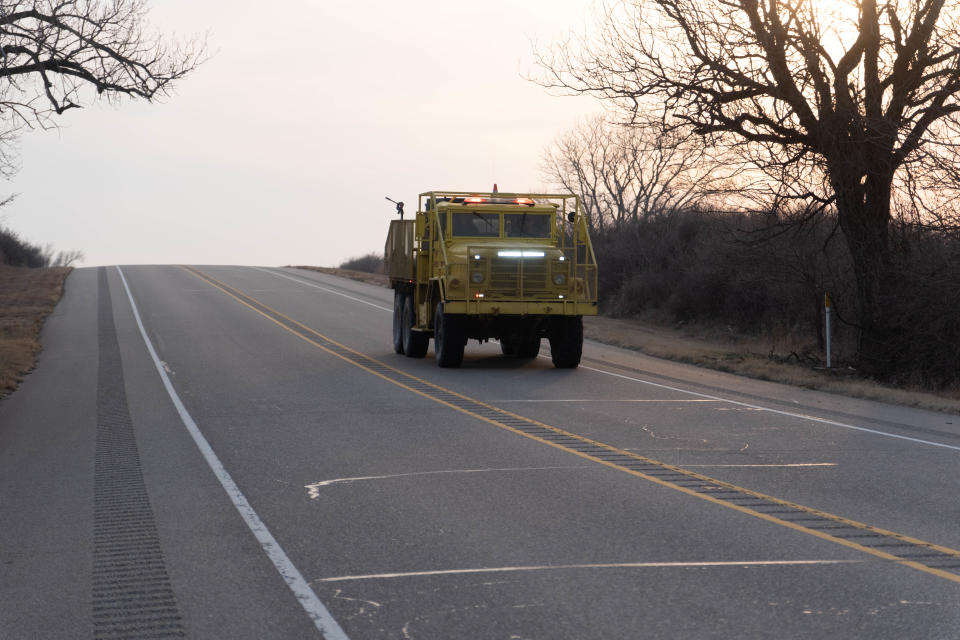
(684, 430)
(898, 478)
(410, 518)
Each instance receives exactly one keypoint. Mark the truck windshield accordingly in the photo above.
(526, 225)
(476, 225)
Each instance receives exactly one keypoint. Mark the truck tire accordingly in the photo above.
(398, 299)
(448, 338)
(566, 342)
(508, 347)
(415, 343)
(528, 348)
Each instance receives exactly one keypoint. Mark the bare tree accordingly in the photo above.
(627, 173)
(55, 54)
(927, 190)
(67, 258)
(853, 88)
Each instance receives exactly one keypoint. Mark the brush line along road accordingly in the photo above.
(237, 452)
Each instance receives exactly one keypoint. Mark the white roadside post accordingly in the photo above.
(826, 300)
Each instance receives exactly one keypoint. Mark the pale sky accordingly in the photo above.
(280, 149)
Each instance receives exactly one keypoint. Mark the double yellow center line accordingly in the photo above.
(923, 556)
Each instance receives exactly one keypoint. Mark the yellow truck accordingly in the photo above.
(514, 267)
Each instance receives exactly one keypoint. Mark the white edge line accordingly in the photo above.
(706, 396)
(315, 609)
(789, 414)
(316, 286)
(616, 565)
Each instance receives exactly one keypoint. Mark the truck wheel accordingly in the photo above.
(448, 338)
(566, 342)
(398, 299)
(415, 343)
(508, 347)
(528, 348)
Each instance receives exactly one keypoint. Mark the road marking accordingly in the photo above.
(315, 609)
(651, 470)
(514, 400)
(328, 290)
(789, 414)
(313, 490)
(608, 565)
(794, 464)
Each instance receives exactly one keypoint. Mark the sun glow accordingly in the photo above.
(835, 23)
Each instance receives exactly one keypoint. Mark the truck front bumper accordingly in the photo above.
(480, 306)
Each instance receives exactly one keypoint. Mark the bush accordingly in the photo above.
(767, 275)
(16, 252)
(370, 263)
(923, 302)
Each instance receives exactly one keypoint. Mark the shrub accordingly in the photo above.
(16, 252)
(923, 302)
(767, 274)
(370, 263)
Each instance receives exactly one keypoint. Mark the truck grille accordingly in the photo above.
(518, 276)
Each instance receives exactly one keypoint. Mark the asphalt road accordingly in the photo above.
(236, 452)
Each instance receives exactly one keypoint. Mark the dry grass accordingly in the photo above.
(761, 358)
(27, 296)
(362, 276)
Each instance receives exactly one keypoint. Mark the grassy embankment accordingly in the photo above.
(763, 358)
(27, 296)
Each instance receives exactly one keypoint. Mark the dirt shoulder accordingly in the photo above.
(758, 358)
(27, 296)
(362, 276)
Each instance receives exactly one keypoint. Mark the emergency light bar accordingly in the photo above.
(480, 200)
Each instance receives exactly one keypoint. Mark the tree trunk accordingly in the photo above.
(863, 207)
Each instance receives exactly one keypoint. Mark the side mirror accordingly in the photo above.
(399, 206)
(572, 216)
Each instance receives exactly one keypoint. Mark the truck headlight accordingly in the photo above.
(559, 279)
(476, 277)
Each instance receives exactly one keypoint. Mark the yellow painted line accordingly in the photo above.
(239, 296)
(784, 465)
(604, 401)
